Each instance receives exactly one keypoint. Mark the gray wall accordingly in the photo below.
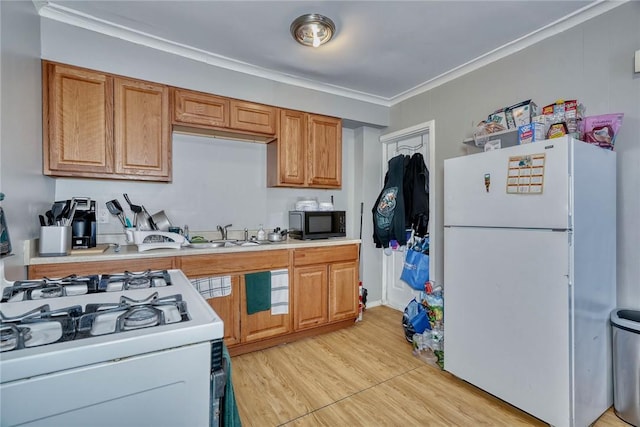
(367, 185)
(592, 63)
(27, 191)
(77, 46)
(214, 181)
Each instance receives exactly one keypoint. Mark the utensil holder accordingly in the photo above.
(55, 240)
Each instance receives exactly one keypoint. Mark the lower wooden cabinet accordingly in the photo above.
(323, 289)
(325, 285)
(343, 291)
(260, 325)
(240, 327)
(228, 308)
(310, 297)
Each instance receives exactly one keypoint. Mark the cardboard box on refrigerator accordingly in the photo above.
(521, 113)
(531, 132)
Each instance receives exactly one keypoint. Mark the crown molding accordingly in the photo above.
(78, 19)
(563, 24)
(72, 17)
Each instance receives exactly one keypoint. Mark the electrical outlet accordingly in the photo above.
(103, 216)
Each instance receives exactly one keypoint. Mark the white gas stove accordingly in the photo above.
(126, 349)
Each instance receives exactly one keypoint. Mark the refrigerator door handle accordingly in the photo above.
(570, 204)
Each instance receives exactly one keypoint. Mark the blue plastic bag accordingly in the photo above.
(415, 319)
(415, 272)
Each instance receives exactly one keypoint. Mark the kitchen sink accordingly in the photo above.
(256, 242)
(223, 243)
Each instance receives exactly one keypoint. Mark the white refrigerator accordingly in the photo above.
(530, 276)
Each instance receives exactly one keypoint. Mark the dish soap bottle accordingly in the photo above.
(262, 235)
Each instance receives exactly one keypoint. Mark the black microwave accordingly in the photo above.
(308, 225)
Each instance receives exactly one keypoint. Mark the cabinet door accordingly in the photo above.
(77, 121)
(200, 109)
(228, 308)
(324, 148)
(343, 291)
(253, 117)
(310, 302)
(142, 129)
(261, 325)
(286, 156)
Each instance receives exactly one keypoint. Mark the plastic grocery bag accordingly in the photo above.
(414, 319)
(415, 272)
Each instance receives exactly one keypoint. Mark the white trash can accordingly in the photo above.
(626, 364)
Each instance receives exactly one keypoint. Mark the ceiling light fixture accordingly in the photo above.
(312, 29)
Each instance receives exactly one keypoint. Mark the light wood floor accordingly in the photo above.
(364, 375)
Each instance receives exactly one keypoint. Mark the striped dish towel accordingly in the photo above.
(280, 291)
(213, 287)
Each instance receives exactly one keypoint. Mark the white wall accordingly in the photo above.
(215, 182)
(593, 63)
(28, 192)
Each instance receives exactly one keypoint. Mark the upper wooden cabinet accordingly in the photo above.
(77, 121)
(225, 117)
(142, 129)
(324, 151)
(198, 108)
(307, 153)
(286, 157)
(97, 125)
(251, 117)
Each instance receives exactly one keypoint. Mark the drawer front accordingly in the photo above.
(99, 267)
(200, 108)
(253, 117)
(323, 255)
(203, 265)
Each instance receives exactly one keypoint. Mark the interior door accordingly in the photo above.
(397, 293)
(506, 315)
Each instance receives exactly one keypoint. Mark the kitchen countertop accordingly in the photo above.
(131, 251)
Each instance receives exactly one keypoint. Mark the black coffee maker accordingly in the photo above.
(84, 224)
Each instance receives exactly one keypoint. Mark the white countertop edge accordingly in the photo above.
(131, 251)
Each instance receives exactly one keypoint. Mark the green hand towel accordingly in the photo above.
(258, 290)
(231, 417)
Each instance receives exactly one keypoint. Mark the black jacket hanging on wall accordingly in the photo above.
(388, 211)
(416, 195)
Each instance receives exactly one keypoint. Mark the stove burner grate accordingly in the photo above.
(130, 314)
(131, 280)
(38, 327)
(23, 290)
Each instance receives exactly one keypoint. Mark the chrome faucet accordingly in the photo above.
(223, 231)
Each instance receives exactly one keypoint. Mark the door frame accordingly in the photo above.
(424, 130)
